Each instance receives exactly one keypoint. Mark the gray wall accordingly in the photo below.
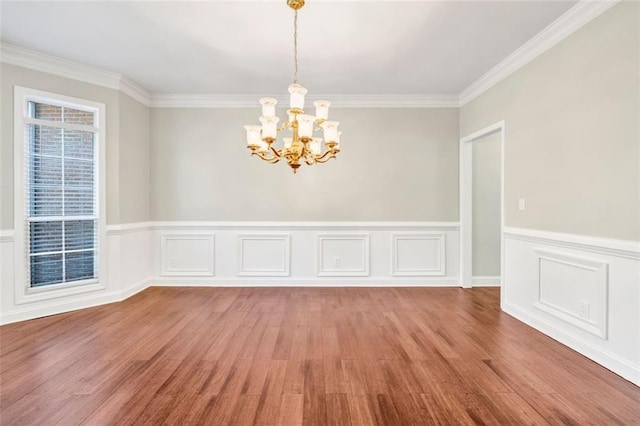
(486, 165)
(134, 161)
(127, 134)
(572, 149)
(572, 135)
(396, 165)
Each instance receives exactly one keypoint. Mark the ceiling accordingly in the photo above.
(246, 47)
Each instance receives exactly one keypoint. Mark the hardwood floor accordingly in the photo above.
(286, 356)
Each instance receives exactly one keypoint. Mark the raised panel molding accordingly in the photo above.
(343, 255)
(264, 255)
(187, 254)
(574, 289)
(580, 290)
(419, 254)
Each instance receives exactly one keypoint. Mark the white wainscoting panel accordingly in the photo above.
(266, 255)
(187, 254)
(6, 274)
(127, 253)
(582, 291)
(304, 253)
(136, 259)
(417, 255)
(574, 289)
(238, 254)
(343, 255)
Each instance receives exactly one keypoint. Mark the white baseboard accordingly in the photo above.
(26, 312)
(134, 289)
(603, 357)
(486, 281)
(302, 282)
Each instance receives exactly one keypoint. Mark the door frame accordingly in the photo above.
(466, 203)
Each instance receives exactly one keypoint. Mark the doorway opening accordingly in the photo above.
(482, 207)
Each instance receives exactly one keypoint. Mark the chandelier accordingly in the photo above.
(301, 145)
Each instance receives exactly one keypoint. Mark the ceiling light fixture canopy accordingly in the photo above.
(302, 145)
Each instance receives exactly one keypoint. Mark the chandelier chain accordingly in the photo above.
(295, 46)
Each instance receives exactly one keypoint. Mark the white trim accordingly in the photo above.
(466, 218)
(618, 248)
(286, 255)
(603, 357)
(486, 281)
(166, 268)
(126, 228)
(442, 254)
(304, 282)
(57, 124)
(341, 272)
(27, 58)
(575, 18)
(6, 236)
(134, 289)
(31, 59)
(337, 101)
(135, 91)
(22, 292)
(601, 269)
(55, 307)
(302, 225)
(56, 291)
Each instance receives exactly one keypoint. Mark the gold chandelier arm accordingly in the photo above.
(276, 153)
(264, 157)
(309, 162)
(328, 155)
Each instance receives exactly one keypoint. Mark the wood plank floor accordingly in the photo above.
(287, 356)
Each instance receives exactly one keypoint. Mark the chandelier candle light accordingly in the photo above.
(302, 145)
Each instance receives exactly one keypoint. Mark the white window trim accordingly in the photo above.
(23, 292)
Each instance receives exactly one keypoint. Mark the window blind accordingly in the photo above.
(61, 215)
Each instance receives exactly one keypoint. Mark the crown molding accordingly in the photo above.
(337, 101)
(575, 18)
(572, 20)
(26, 58)
(50, 64)
(31, 59)
(132, 89)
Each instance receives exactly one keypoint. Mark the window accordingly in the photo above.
(60, 206)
